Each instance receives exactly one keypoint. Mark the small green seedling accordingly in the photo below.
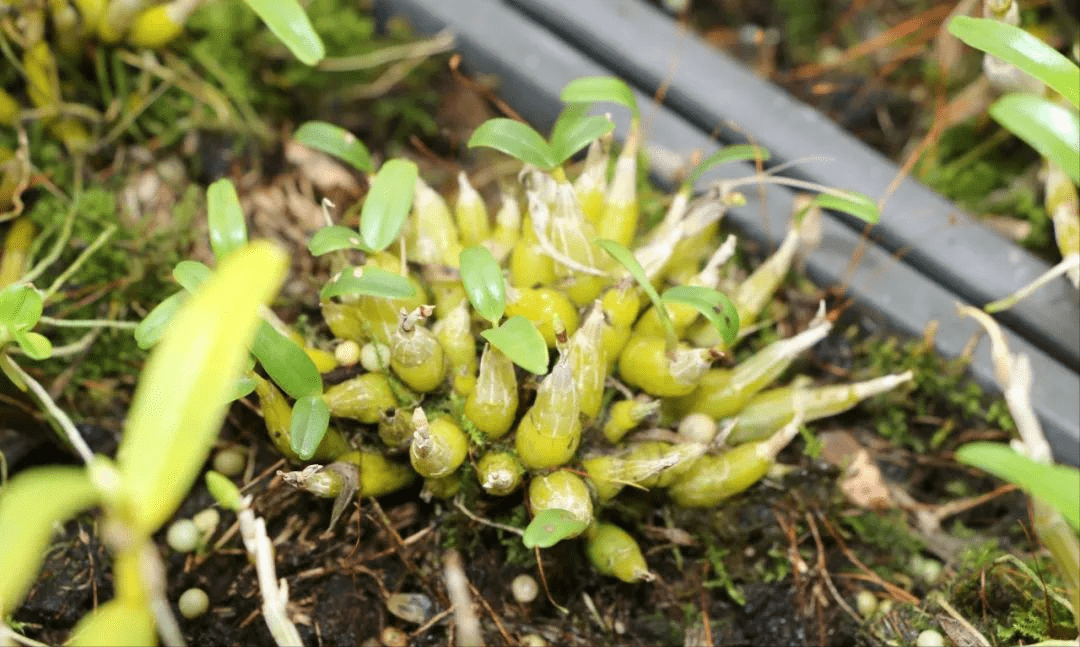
(175, 415)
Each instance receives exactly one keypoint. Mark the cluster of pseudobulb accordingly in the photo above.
(619, 405)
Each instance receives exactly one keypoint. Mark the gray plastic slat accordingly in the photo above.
(641, 44)
(901, 297)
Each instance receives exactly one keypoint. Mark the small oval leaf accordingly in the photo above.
(35, 345)
(287, 20)
(388, 203)
(850, 202)
(516, 140)
(551, 526)
(310, 418)
(286, 363)
(332, 238)
(483, 280)
(575, 130)
(589, 89)
(226, 219)
(223, 490)
(152, 327)
(335, 141)
(519, 340)
(715, 306)
(191, 274)
(368, 280)
(1051, 129)
(737, 153)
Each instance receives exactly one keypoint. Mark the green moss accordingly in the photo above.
(941, 390)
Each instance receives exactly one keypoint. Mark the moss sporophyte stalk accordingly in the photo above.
(523, 345)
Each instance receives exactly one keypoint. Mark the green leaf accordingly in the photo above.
(31, 504)
(183, 390)
(589, 89)
(191, 274)
(332, 238)
(850, 202)
(336, 141)
(223, 490)
(36, 346)
(737, 153)
(388, 203)
(483, 280)
(551, 526)
(287, 20)
(242, 387)
(1016, 46)
(627, 260)
(575, 130)
(227, 229)
(716, 307)
(1049, 128)
(118, 621)
(516, 140)
(310, 419)
(286, 363)
(1057, 485)
(152, 327)
(519, 340)
(369, 280)
(20, 306)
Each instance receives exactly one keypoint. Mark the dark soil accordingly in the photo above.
(780, 565)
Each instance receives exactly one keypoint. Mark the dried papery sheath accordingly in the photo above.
(454, 333)
(362, 398)
(753, 294)
(770, 410)
(648, 464)
(646, 364)
(571, 236)
(470, 213)
(561, 490)
(662, 463)
(499, 473)
(591, 185)
(492, 405)
(724, 392)
(620, 214)
(508, 227)
(415, 355)
(713, 479)
(438, 446)
(613, 551)
(589, 361)
(430, 234)
(625, 415)
(549, 433)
